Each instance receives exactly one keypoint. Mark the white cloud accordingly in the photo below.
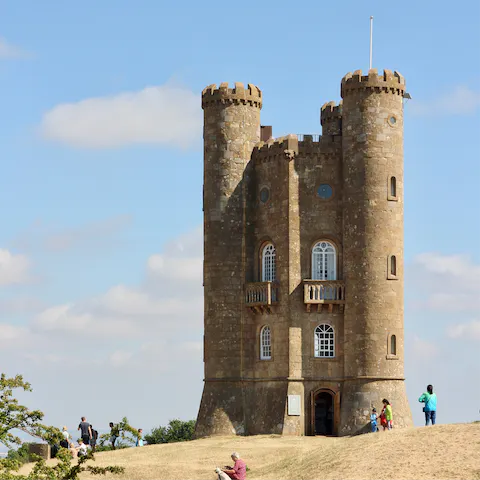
(165, 114)
(12, 333)
(93, 235)
(459, 101)
(169, 299)
(14, 269)
(465, 331)
(119, 358)
(446, 282)
(8, 50)
(424, 349)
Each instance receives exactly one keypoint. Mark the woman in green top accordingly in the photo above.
(388, 413)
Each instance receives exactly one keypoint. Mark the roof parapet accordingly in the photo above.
(330, 111)
(251, 95)
(390, 82)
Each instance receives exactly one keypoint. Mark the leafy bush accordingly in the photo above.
(19, 454)
(175, 431)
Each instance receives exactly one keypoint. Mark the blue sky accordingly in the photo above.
(102, 178)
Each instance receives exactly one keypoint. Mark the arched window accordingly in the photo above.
(324, 341)
(269, 271)
(324, 261)
(393, 187)
(393, 345)
(393, 265)
(265, 343)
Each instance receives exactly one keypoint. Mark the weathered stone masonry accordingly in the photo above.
(343, 190)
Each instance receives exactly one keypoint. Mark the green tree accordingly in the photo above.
(175, 431)
(14, 416)
(127, 436)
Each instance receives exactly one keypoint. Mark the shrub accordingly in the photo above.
(175, 431)
(19, 454)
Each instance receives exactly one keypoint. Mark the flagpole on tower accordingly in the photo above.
(371, 39)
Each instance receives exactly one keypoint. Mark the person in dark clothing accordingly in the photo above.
(93, 440)
(85, 430)
(114, 434)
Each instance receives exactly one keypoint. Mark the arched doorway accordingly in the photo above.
(324, 413)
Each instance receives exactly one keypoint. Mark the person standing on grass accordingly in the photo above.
(93, 440)
(139, 442)
(66, 438)
(86, 431)
(388, 413)
(373, 420)
(430, 400)
(114, 434)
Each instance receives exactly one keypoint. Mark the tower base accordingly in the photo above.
(248, 408)
(359, 396)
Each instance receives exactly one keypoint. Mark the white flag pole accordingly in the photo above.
(371, 39)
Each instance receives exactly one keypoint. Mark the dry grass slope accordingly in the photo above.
(440, 452)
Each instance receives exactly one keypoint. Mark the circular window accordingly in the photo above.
(264, 195)
(392, 120)
(325, 191)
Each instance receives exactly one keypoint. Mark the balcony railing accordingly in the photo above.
(261, 294)
(324, 291)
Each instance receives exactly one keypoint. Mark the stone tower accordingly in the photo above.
(303, 264)
(372, 125)
(231, 130)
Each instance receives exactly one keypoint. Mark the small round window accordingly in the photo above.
(325, 191)
(264, 195)
(392, 120)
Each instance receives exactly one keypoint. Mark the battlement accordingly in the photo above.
(291, 145)
(275, 147)
(390, 82)
(251, 95)
(330, 111)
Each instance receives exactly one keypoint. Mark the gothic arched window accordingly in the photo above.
(324, 261)
(269, 271)
(265, 343)
(324, 341)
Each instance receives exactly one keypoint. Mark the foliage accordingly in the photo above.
(175, 431)
(19, 454)
(15, 416)
(62, 470)
(127, 437)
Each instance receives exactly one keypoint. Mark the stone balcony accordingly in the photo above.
(324, 292)
(260, 296)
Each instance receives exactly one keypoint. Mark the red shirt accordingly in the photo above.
(240, 470)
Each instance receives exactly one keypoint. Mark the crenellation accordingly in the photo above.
(388, 82)
(251, 95)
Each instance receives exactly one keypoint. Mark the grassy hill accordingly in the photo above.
(439, 452)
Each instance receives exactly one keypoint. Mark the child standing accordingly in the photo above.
(373, 420)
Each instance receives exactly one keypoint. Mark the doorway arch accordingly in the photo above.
(325, 404)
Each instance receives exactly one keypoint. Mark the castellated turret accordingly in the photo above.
(373, 245)
(303, 266)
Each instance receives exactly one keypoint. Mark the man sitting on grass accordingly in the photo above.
(237, 472)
